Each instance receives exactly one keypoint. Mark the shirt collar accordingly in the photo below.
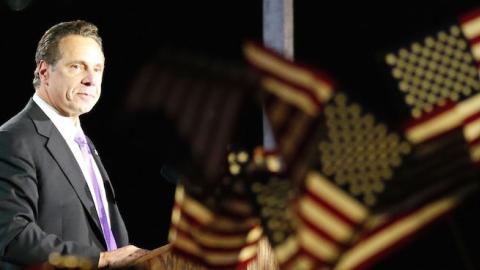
(65, 125)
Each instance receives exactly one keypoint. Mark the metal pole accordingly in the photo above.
(277, 35)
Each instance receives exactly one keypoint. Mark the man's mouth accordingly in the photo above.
(86, 95)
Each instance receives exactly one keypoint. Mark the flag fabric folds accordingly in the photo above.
(203, 99)
(354, 170)
(439, 79)
(212, 240)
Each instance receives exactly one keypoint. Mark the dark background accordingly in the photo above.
(346, 40)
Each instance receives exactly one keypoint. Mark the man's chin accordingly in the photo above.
(81, 110)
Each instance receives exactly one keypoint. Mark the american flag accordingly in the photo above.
(294, 96)
(383, 233)
(212, 240)
(439, 78)
(354, 169)
(203, 99)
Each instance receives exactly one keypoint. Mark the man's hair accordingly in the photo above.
(48, 49)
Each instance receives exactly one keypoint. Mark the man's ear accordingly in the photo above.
(43, 72)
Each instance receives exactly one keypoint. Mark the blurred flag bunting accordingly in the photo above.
(212, 240)
(470, 24)
(294, 96)
(439, 78)
(382, 234)
(203, 99)
(296, 84)
(349, 168)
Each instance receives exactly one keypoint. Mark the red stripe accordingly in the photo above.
(331, 208)
(395, 219)
(321, 232)
(200, 261)
(447, 107)
(244, 264)
(301, 140)
(188, 234)
(307, 91)
(395, 245)
(450, 105)
(287, 263)
(474, 40)
(319, 75)
(474, 142)
(297, 88)
(442, 134)
(319, 263)
(193, 221)
(469, 16)
(472, 118)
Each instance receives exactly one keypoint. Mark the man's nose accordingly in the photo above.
(89, 79)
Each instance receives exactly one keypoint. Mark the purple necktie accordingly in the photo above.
(87, 154)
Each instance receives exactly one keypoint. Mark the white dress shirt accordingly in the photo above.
(68, 129)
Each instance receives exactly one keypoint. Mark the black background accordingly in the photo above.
(347, 40)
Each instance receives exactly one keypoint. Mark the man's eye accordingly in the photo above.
(75, 66)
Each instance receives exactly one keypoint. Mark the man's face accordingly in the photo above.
(73, 84)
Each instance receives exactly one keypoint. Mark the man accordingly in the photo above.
(55, 195)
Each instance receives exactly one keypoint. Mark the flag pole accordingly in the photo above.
(278, 36)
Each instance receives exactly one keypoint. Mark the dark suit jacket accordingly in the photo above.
(45, 203)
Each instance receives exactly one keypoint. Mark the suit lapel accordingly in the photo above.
(60, 151)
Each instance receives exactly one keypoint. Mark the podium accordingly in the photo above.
(163, 258)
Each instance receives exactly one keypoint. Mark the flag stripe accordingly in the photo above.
(214, 241)
(470, 24)
(472, 129)
(218, 241)
(445, 121)
(320, 247)
(436, 126)
(194, 210)
(305, 260)
(190, 114)
(475, 48)
(322, 188)
(324, 220)
(291, 95)
(228, 260)
(267, 61)
(331, 208)
(223, 226)
(221, 130)
(287, 249)
(379, 242)
(293, 139)
(229, 244)
(306, 222)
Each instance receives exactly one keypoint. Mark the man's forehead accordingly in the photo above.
(76, 46)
